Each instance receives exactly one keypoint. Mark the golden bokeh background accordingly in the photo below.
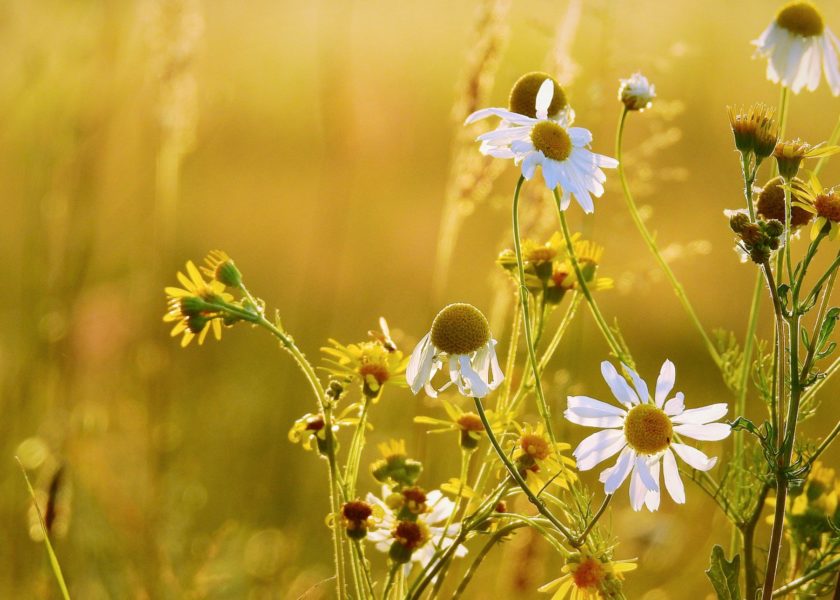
(314, 142)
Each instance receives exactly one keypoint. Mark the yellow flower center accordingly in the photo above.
(828, 206)
(460, 329)
(535, 446)
(541, 254)
(588, 574)
(648, 429)
(523, 96)
(801, 18)
(552, 140)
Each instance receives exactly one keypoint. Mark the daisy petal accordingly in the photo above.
(676, 405)
(703, 415)
(694, 457)
(707, 433)
(673, 482)
(613, 477)
(619, 387)
(665, 382)
(598, 447)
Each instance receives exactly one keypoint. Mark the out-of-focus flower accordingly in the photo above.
(636, 92)
(460, 340)
(643, 433)
(312, 428)
(540, 462)
(796, 44)
(194, 308)
(410, 531)
(813, 510)
(467, 424)
(523, 101)
(588, 577)
(562, 151)
(771, 204)
(357, 519)
(220, 266)
(372, 362)
(395, 467)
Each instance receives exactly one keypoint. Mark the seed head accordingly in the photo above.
(523, 96)
(460, 329)
(801, 18)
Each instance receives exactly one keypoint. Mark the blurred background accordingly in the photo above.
(319, 144)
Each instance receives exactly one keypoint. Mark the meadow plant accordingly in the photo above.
(397, 535)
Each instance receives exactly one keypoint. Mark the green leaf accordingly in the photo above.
(827, 326)
(724, 575)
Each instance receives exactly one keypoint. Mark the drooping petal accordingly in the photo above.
(477, 388)
(420, 364)
(544, 97)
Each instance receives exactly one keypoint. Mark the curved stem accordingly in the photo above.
(517, 477)
(468, 576)
(542, 405)
(654, 249)
(825, 444)
(582, 538)
(609, 336)
(797, 583)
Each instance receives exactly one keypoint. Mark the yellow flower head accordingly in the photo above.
(824, 203)
(312, 428)
(374, 363)
(395, 467)
(588, 576)
(540, 462)
(195, 308)
(467, 424)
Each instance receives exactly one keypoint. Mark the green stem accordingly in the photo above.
(361, 560)
(496, 538)
(784, 102)
(825, 444)
(748, 535)
(542, 405)
(616, 348)
(510, 362)
(517, 477)
(835, 135)
(582, 538)
(812, 348)
(54, 564)
(351, 469)
(389, 583)
(654, 249)
(797, 583)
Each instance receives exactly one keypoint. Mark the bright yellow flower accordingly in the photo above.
(588, 577)
(467, 424)
(193, 308)
(537, 460)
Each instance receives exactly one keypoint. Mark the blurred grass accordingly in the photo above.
(322, 148)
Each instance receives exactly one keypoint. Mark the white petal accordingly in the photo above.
(673, 482)
(638, 491)
(694, 457)
(598, 447)
(613, 477)
(529, 165)
(665, 382)
(653, 496)
(619, 387)
(639, 384)
(544, 97)
(502, 113)
(418, 371)
(478, 388)
(495, 369)
(708, 433)
(580, 136)
(706, 414)
(643, 470)
(675, 405)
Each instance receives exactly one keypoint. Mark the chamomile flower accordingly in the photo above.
(797, 45)
(588, 577)
(411, 527)
(460, 341)
(193, 308)
(540, 140)
(642, 433)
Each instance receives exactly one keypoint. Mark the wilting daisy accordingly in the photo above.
(636, 92)
(411, 527)
(588, 577)
(797, 44)
(541, 140)
(642, 432)
(460, 341)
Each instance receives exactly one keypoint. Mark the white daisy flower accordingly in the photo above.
(636, 92)
(797, 44)
(419, 538)
(460, 341)
(562, 151)
(642, 432)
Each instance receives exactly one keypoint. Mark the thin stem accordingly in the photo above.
(510, 362)
(835, 135)
(351, 469)
(827, 375)
(582, 538)
(542, 405)
(584, 288)
(748, 534)
(54, 564)
(389, 583)
(787, 248)
(797, 583)
(825, 444)
(812, 348)
(468, 576)
(654, 249)
(517, 477)
(359, 551)
(817, 286)
(784, 102)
